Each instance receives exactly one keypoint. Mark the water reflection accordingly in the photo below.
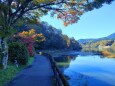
(64, 61)
(88, 69)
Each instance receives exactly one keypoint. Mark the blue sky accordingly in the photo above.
(93, 24)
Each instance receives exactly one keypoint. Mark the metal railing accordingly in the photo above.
(60, 79)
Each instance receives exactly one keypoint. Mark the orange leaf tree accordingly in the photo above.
(67, 10)
(29, 38)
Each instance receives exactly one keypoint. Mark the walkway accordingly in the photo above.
(39, 73)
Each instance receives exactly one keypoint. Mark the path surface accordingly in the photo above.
(37, 74)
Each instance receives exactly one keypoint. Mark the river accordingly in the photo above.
(87, 70)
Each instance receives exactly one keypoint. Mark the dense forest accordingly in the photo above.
(54, 38)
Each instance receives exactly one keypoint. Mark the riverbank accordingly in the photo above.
(108, 54)
(11, 71)
(57, 53)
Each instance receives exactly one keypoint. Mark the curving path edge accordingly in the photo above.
(39, 73)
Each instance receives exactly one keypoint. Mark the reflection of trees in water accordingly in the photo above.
(65, 58)
(63, 61)
(101, 56)
(73, 57)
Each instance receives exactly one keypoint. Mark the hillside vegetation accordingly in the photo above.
(54, 38)
(105, 45)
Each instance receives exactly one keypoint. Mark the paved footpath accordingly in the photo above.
(39, 73)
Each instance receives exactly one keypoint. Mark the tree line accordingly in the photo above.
(54, 38)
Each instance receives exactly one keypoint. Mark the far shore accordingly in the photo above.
(58, 53)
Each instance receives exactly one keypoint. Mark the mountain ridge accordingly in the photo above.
(109, 37)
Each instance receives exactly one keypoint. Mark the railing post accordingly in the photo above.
(58, 76)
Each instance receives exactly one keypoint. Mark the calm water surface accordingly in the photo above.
(88, 70)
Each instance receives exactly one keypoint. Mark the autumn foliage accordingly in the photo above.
(28, 38)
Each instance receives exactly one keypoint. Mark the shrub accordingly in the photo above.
(18, 51)
(29, 43)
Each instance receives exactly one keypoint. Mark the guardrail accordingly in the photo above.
(60, 79)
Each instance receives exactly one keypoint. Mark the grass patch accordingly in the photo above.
(11, 71)
(31, 59)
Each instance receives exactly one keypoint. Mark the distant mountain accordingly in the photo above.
(85, 40)
(110, 37)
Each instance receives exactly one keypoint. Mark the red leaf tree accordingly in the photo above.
(28, 38)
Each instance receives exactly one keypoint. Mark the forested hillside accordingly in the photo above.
(54, 38)
(105, 43)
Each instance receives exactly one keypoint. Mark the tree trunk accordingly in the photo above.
(4, 52)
